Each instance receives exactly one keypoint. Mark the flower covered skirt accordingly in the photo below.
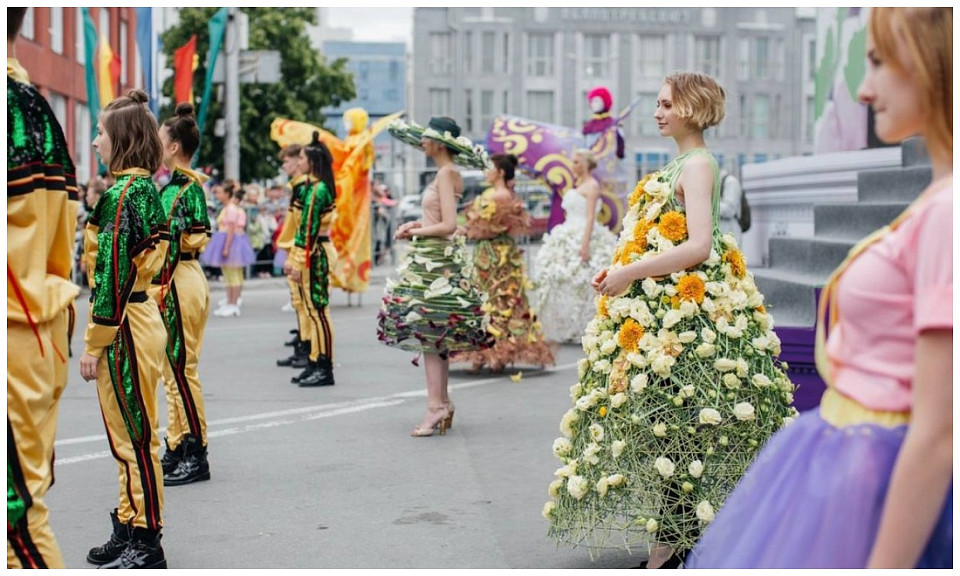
(433, 306)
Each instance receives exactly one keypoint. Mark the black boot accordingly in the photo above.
(193, 466)
(299, 358)
(143, 551)
(311, 367)
(171, 458)
(322, 374)
(296, 338)
(114, 546)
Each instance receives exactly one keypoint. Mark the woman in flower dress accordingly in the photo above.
(569, 257)
(433, 307)
(866, 481)
(681, 384)
(493, 220)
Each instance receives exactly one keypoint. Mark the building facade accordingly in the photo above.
(51, 48)
(539, 63)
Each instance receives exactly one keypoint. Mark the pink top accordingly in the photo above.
(232, 219)
(899, 287)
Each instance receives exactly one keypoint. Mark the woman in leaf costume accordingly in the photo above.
(493, 220)
(433, 307)
(681, 384)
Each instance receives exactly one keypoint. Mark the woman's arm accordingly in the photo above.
(592, 192)
(696, 182)
(448, 182)
(924, 469)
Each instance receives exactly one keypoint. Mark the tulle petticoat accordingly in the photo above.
(239, 256)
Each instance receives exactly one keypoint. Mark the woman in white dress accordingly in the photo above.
(571, 253)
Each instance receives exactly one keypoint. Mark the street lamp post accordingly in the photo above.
(231, 99)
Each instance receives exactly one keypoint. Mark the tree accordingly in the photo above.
(309, 83)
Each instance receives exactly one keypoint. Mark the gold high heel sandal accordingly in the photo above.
(449, 420)
(441, 424)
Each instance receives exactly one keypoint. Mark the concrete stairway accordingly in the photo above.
(800, 266)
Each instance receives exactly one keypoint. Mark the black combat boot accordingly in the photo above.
(171, 458)
(114, 546)
(299, 359)
(296, 338)
(307, 371)
(143, 551)
(322, 374)
(193, 465)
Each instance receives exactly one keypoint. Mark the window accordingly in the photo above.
(706, 53)
(439, 102)
(440, 53)
(506, 102)
(596, 49)
(761, 116)
(743, 69)
(27, 28)
(506, 53)
(759, 158)
(762, 51)
(468, 117)
(779, 69)
(744, 127)
(81, 140)
(394, 71)
(646, 108)
(58, 104)
(540, 105)
(123, 54)
(468, 51)
(486, 110)
(488, 40)
(809, 120)
(652, 57)
(777, 122)
(812, 59)
(79, 45)
(56, 30)
(390, 94)
(540, 55)
(363, 70)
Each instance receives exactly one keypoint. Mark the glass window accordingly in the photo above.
(652, 57)
(540, 105)
(440, 53)
(761, 116)
(439, 102)
(506, 53)
(81, 140)
(28, 26)
(812, 58)
(468, 51)
(646, 108)
(488, 40)
(58, 103)
(79, 46)
(486, 109)
(394, 71)
(759, 158)
(468, 117)
(363, 70)
(596, 49)
(809, 120)
(506, 102)
(540, 55)
(706, 52)
(762, 50)
(56, 30)
(743, 70)
(778, 59)
(744, 130)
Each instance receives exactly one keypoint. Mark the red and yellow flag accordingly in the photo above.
(109, 67)
(184, 63)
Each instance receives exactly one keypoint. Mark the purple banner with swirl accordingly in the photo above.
(546, 151)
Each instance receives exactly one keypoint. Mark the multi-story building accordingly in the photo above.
(51, 48)
(476, 63)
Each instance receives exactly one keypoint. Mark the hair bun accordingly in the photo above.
(513, 160)
(184, 110)
(138, 96)
(315, 140)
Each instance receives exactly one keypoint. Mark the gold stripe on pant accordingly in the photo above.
(296, 300)
(185, 407)
(34, 386)
(319, 327)
(138, 462)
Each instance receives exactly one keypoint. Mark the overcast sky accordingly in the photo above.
(375, 24)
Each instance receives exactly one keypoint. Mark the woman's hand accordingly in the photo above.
(88, 367)
(403, 232)
(616, 282)
(598, 279)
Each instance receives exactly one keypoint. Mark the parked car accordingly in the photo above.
(537, 196)
(409, 208)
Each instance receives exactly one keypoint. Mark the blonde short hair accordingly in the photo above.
(698, 98)
(927, 35)
(587, 156)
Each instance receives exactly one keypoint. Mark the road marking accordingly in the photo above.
(254, 422)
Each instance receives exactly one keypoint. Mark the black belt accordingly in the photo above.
(138, 297)
(323, 238)
(188, 256)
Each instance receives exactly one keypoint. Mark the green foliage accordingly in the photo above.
(308, 84)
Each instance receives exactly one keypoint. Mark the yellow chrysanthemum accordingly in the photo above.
(602, 306)
(673, 226)
(737, 264)
(636, 195)
(602, 411)
(629, 336)
(640, 233)
(487, 209)
(691, 287)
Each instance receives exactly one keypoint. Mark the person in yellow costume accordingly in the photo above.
(42, 199)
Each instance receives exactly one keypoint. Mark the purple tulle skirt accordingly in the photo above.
(279, 258)
(813, 499)
(239, 256)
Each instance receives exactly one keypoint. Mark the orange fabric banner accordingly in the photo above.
(184, 63)
(109, 67)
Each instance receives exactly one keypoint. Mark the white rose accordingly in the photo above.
(729, 240)
(602, 366)
(670, 290)
(577, 486)
(548, 509)
(695, 468)
(554, 489)
(687, 487)
(764, 320)
(671, 318)
(593, 356)
(638, 383)
(741, 322)
(637, 359)
(576, 391)
(617, 400)
(710, 416)
(716, 288)
(617, 447)
(596, 432)
(566, 423)
(660, 430)
(687, 337)
(664, 466)
(724, 364)
(589, 343)
(615, 480)
(608, 347)
(602, 486)
(743, 368)
(661, 365)
(706, 350)
(652, 525)
(774, 343)
(730, 380)
(562, 447)
(653, 210)
(713, 259)
(761, 343)
(582, 366)
(650, 287)
(744, 411)
(584, 403)
(590, 453)
(788, 421)
(652, 187)
(566, 471)
(705, 511)
(755, 298)
(708, 306)
(687, 391)
(761, 381)
(788, 397)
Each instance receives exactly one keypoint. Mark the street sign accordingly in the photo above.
(256, 67)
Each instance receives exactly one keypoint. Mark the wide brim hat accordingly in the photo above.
(444, 130)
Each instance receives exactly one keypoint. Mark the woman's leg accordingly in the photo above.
(437, 369)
